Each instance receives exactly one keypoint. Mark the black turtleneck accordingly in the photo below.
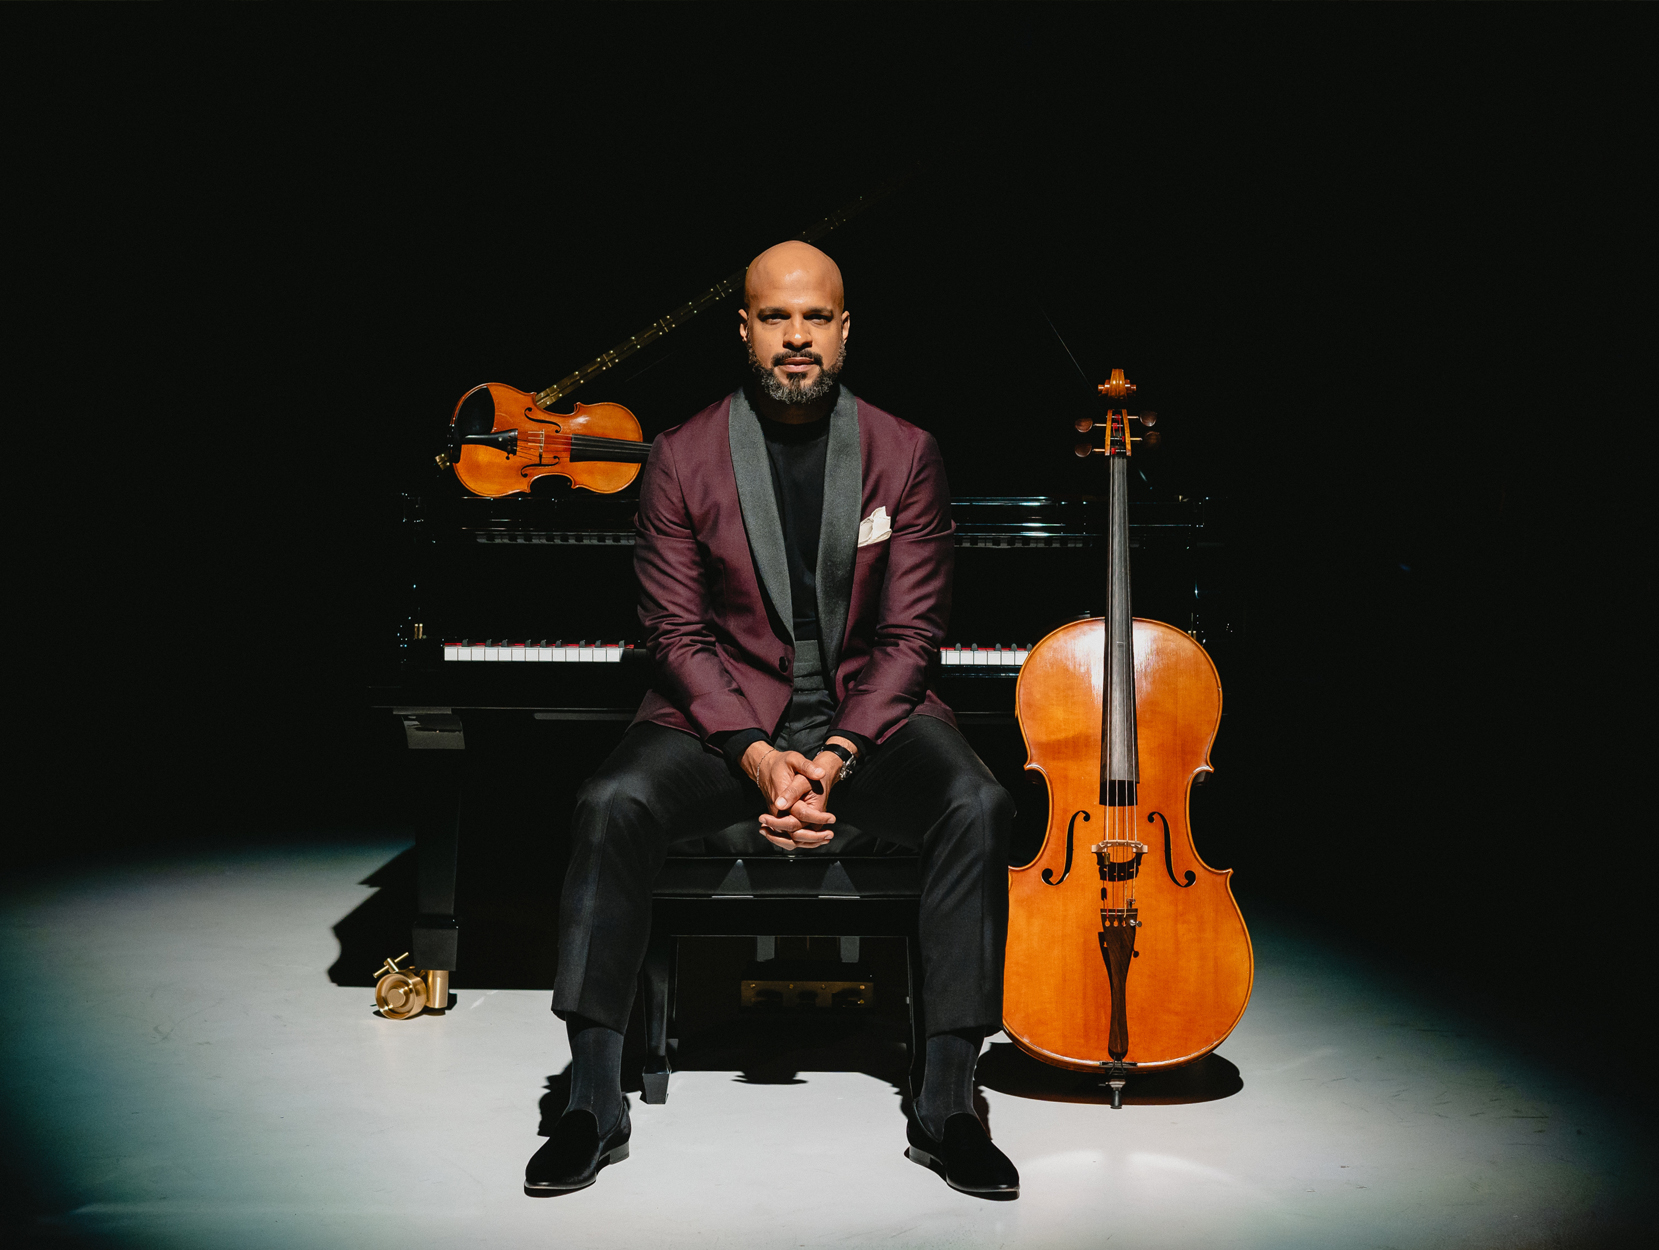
(797, 456)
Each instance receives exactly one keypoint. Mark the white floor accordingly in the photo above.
(184, 1075)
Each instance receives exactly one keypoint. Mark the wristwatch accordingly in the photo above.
(849, 760)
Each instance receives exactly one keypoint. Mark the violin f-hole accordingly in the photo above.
(1071, 827)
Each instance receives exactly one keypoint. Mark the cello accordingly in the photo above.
(1126, 951)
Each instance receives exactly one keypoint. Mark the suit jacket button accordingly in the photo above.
(783, 664)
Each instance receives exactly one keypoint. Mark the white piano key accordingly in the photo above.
(613, 655)
(561, 653)
(1019, 656)
(544, 654)
(451, 651)
(949, 655)
(981, 657)
(492, 653)
(476, 653)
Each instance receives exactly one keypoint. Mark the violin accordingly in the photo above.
(1126, 951)
(501, 440)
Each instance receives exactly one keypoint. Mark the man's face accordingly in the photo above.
(796, 328)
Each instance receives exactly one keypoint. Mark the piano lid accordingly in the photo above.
(981, 520)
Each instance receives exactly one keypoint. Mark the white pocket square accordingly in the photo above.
(875, 528)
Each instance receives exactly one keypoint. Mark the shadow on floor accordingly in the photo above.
(508, 912)
(378, 927)
(1009, 1070)
(770, 1051)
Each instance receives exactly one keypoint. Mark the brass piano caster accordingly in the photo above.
(402, 993)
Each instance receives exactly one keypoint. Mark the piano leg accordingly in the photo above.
(435, 770)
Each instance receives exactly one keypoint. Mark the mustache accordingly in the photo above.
(783, 358)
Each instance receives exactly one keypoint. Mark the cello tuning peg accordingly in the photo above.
(1084, 449)
(1149, 418)
(1083, 424)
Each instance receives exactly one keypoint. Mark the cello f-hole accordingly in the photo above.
(1071, 827)
(1169, 861)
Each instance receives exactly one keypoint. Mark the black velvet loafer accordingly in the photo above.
(573, 1153)
(966, 1158)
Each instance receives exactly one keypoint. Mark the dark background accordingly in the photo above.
(1376, 269)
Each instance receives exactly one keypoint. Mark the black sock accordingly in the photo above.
(948, 1086)
(596, 1072)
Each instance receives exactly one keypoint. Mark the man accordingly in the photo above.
(793, 552)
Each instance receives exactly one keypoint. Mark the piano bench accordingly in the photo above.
(733, 883)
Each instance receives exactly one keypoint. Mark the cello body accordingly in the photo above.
(501, 440)
(1187, 981)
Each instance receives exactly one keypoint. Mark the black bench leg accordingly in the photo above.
(656, 977)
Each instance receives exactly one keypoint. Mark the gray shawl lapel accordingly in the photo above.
(760, 506)
(838, 531)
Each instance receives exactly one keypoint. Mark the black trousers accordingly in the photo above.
(924, 788)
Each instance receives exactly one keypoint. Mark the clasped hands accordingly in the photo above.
(797, 793)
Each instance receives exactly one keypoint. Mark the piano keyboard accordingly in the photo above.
(958, 655)
(534, 651)
(547, 651)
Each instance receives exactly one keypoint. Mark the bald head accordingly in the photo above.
(793, 265)
(795, 321)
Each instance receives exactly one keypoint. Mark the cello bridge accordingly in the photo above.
(1119, 859)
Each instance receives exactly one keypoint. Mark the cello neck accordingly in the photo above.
(1120, 767)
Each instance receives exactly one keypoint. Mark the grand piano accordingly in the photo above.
(524, 608)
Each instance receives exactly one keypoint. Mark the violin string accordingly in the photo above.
(536, 438)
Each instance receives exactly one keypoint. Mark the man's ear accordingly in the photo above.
(846, 325)
(743, 324)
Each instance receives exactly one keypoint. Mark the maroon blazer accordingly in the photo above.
(714, 585)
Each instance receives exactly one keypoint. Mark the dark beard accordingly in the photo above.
(796, 394)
